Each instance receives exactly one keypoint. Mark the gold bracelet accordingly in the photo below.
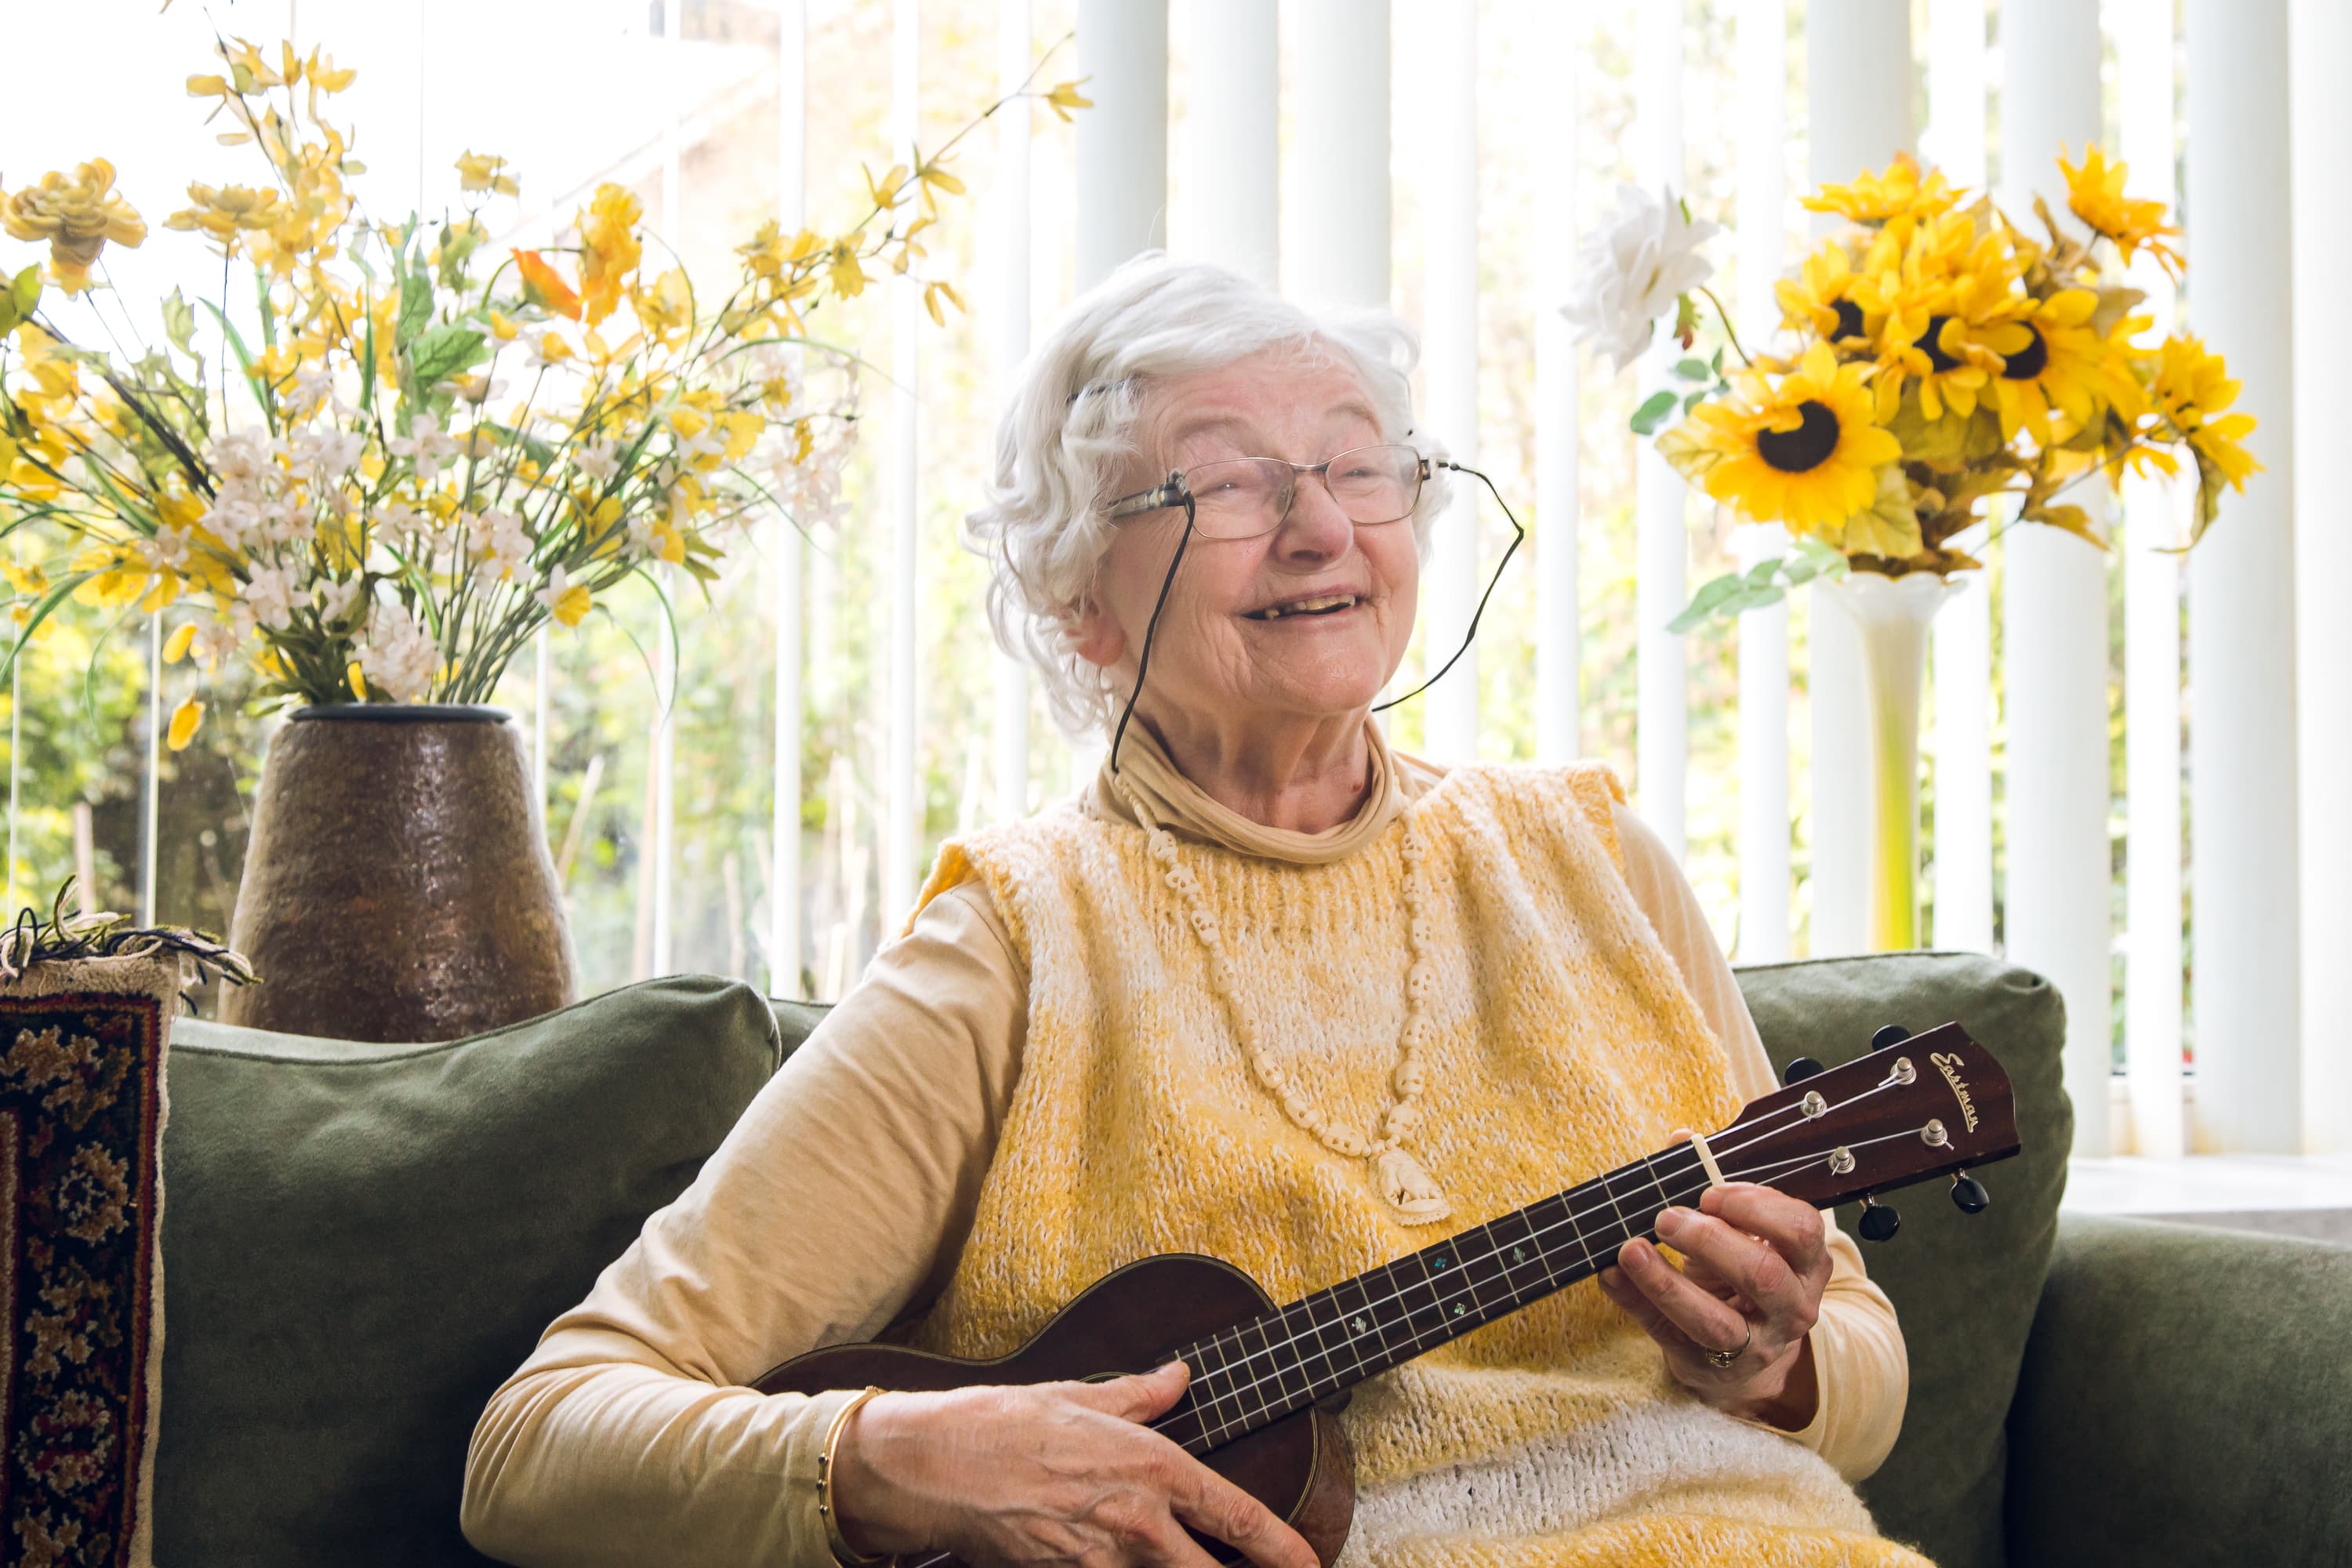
(841, 1554)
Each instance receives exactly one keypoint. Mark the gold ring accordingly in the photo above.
(1721, 1360)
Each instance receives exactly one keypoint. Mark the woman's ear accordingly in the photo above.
(1097, 634)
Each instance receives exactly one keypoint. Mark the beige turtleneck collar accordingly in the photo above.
(1174, 802)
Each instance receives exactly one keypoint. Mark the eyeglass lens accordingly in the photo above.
(1243, 497)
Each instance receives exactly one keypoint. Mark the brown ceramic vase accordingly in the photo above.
(397, 886)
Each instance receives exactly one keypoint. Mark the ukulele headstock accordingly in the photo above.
(1916, 1107)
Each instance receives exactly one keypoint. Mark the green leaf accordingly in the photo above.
(1703, 604)
(415, 309)
(268, 310)
(1695, 369)
(1652, 412)
(367, 369)
(1715, 365)
(23, 293)
(1694, 399)
(1761, 573)
(180, 323)
(1749, 599)
(245, 365)
(445, 352)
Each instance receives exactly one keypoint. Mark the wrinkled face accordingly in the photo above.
(1234, 643)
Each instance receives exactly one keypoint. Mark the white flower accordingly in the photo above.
(402, 526)
(280, 522)
(477, 388)
(424, 447)
(218, 636)
(549, 352)
(314, 387)
(337, 600)
(600, 461)
(501, 548)
(1630, 272)
(232, 518)
(169, 547)
(325, 454)
(398, 658)
(270, 594)
(242, 455)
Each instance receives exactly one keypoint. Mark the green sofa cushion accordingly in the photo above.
(1964, 1287)
(2186, 1399)
(361, 1241)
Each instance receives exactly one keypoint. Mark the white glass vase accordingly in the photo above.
(1893, 614)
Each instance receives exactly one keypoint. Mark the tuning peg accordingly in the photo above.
(1879, 1222)
(1969, 1195)
(1799, 1070)
(1888, 1035)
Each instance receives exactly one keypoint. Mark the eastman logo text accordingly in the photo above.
(1948, 1066)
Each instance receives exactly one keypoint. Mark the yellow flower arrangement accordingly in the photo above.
(1942, 357)
(427, 448)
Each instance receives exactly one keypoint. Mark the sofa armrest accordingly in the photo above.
(2186, 1398)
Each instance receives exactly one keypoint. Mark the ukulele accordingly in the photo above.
(1267, 1382)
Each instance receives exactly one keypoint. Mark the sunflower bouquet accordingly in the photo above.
(424, 445)
(1935, 355)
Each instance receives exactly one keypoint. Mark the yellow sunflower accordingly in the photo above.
(1954, 286)
(2095, 192)
(2192, 387)
(1818, 299)
(1895, 195)
(2054, 359)
(1803, 452)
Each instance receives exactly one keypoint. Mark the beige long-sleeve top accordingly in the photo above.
(838, 1206)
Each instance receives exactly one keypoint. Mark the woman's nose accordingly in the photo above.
(1316, 528)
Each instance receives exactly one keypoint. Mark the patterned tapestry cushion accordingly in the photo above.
(81, 1122)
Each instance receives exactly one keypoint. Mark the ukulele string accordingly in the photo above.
(1760, 1131)
(1780, 1169)
(1762, 1126)
(1495, 1252)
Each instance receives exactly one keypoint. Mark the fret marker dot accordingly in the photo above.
(1518, 1255)
(1358, 1325)
(1441, 1263)
(1458, 1308)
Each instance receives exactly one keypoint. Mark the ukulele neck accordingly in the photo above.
(1914, 1107)
(1272, 1366)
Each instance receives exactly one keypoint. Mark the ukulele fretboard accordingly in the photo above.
(1272, 1366)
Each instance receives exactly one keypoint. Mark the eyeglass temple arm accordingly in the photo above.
(1169, 492)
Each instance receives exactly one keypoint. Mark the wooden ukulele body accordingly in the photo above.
(1128, 1322)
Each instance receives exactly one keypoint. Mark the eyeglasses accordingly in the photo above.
(1351, 477)
(1242, 498)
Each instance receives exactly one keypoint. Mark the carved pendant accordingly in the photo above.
(1408, 1189)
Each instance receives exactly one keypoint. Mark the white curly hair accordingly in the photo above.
(1071, 423)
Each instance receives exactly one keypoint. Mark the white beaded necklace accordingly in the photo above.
(1397, 1176)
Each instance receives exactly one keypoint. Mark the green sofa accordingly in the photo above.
(361, 1241)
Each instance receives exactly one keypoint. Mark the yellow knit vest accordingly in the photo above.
(1563, 1044)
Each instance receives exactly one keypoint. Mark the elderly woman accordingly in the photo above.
(1266, 990)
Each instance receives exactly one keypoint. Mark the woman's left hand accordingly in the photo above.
(1755, 1263)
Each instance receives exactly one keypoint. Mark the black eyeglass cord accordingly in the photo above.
(1152, 627)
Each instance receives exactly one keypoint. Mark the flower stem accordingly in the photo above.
(1729, 330)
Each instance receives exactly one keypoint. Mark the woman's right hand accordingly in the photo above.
(1044, 1473)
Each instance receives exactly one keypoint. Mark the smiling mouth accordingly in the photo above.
(1322, 604)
